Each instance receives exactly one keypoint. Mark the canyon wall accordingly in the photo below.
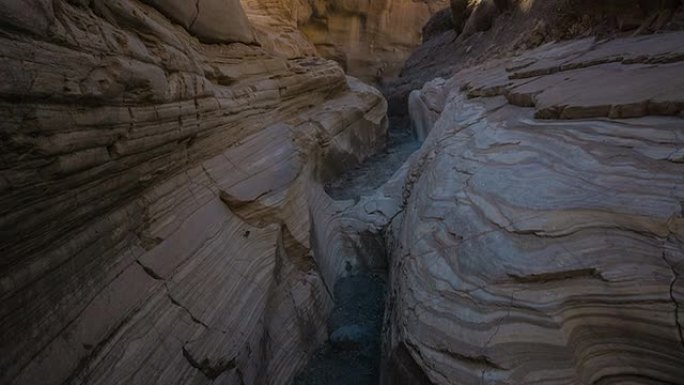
(541, 233)
(160, 178)
(474, 31)
(163, 217)
(370, 39)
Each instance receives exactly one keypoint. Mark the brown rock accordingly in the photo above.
(276, 22)
(159, 194)
(370, 39)
(460, 13)
(206, 19)
(481, 17)
(33, 16)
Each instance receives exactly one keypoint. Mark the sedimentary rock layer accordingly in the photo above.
(158, 195)
(487, 29)
(542, 235)
(370, 39)
(276, 25)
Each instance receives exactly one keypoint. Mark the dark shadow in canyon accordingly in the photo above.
(351, 356)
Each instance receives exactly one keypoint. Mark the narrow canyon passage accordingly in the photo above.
(352, 353)
(376, 170)
(210, 192)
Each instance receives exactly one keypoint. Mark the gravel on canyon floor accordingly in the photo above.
(377, 169)
(352, 353)
(351, 356)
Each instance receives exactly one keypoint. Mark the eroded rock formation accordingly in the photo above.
(276, 25)
(370, 39)
(542, 234)
(481, 30)
(159, 194)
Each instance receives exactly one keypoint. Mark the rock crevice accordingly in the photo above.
(675, 302)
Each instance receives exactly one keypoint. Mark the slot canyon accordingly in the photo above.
(341, 192)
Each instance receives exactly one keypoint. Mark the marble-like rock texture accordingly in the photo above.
(162, 219)
(541, 237)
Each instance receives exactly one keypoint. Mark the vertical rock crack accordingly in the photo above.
(675, 277)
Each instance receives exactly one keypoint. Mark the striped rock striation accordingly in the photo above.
(369, 39)
(541, 237)
(162, 217)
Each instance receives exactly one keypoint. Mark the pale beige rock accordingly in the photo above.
(370, 39)
(545, 251)
(276, 25)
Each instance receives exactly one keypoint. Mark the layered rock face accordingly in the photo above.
(163, 218)
(371, 39)
(542, 234)
(276, 26)
(480, 30)
(159, 194)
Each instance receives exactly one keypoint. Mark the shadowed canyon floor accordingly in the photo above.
(352, 354)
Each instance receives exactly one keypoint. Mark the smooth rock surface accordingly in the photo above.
(352, 336)
(212, 21)
(541, 237)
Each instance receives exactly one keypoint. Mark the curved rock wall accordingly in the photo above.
(489, 29)
(542, 234)
(156, 195)
(371, 39)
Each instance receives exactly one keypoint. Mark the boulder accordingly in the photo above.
(352, 337)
